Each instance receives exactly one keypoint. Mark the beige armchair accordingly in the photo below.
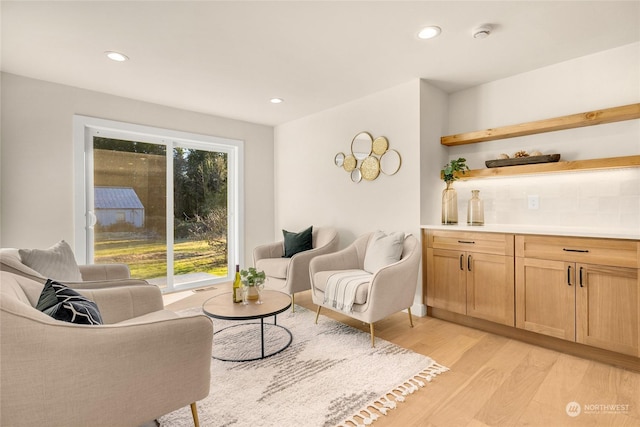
(291, 275)
(378, 293)
(142, 363)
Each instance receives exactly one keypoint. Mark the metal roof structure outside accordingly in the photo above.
(116, 198)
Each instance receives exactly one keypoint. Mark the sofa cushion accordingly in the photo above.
(274, 267)
(383, 249)
(321, 278)
(297, 242)
(155, 316)
(65, 304)
(57, 262)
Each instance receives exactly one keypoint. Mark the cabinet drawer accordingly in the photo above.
(488, 243)
(614, 252)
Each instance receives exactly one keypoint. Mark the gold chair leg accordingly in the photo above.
(194, 412)
(293, 303)
(373, 339)
(410, 318)
(318, 313)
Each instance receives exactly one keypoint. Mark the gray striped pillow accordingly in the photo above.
(57, 262)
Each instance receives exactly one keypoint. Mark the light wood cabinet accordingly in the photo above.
(471, 273)
(580, 289)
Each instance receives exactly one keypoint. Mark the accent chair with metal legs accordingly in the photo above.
(376, 290)
(291, 275)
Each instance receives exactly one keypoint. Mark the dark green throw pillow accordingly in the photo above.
(297, 242)
(63, 303)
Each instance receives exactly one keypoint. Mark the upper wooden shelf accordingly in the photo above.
(608, 115)
(574, 165)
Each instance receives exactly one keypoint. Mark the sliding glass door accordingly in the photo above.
(164, 206)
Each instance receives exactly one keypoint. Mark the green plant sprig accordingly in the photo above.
(252, 276)
(450, 169)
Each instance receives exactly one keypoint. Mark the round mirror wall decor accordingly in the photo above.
(356, 176)
(368, 158)
(390, 162)
(361, 145)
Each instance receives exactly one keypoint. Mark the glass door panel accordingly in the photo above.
(201, 224)
(130, 206)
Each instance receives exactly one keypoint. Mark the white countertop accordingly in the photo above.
(542, 229)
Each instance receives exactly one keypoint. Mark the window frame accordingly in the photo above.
(85, 127)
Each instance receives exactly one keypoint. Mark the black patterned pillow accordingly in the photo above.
(63, 303)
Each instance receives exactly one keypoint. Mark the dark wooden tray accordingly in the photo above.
(546, 158)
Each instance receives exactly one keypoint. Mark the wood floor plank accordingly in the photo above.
(477, 356)
(518, 389)
(627, 386)
(562, 381)
(474, 393)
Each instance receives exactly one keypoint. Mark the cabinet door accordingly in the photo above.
(446, 287)
(490, 287)
(545, 297)
(607, 306)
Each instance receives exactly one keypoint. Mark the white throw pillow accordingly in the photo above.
(383, 249)
(57, 262)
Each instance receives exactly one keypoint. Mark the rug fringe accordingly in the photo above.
(384, 404)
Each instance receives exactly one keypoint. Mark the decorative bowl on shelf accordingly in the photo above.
(528, 160)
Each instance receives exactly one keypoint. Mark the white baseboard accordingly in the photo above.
(419, 310)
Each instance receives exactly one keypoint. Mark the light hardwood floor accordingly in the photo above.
(494, 381)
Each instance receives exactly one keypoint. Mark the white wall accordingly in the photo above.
(311, 190)
(36, 189)
(433, 155)
(606, 199)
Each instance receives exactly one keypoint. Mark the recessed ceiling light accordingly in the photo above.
(429, 32)
(276, 100)
(116, 56)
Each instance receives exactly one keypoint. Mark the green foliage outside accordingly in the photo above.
(147, 259)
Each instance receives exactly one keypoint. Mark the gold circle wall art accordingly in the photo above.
(349, 163)
(368, 158)
(380, 145)
(370, 168)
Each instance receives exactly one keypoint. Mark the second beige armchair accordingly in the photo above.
(380, 286)
(291, 275)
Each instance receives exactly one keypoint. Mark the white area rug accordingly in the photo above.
(327, 376)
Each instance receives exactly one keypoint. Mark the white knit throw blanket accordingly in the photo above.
(340, 292)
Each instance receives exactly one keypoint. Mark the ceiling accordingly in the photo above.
(229, 58)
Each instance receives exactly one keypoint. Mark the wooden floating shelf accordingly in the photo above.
(598, 117)
(569, 166)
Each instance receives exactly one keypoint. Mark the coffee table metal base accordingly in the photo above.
(221, 307)
(263, 355)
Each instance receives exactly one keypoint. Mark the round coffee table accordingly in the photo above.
(222, 307)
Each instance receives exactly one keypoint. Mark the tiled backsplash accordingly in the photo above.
(600, 199)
